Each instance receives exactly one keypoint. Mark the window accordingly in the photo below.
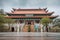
(29, 15)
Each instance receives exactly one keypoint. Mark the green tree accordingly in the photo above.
(2, 11)
(10, 21)
(56, 22)
(45, 22)
(2, 21)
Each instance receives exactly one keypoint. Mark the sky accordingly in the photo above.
(51, 5)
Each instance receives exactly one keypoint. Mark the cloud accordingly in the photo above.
(36, 3)
(52, 5)
(55, 9)
(53, 2)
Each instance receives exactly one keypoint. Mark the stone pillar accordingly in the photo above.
(32, 27)
(18, 26)
(25, 28)
(22, 26)
(41, 27)
(36, 26)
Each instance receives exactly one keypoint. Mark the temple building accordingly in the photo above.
(28, 18)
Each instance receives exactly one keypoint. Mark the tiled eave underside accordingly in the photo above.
(30, 17)
(30, 13)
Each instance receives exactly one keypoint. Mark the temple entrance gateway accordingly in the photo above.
(29, 18)
(28, 25)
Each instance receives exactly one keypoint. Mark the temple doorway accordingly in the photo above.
(29, 26)
(29, 22)
(12, 29)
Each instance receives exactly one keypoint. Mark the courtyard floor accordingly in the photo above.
(29, 36)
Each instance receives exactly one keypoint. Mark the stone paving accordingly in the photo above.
(29, 36)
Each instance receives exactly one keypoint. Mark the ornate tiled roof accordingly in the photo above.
(30, 11)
